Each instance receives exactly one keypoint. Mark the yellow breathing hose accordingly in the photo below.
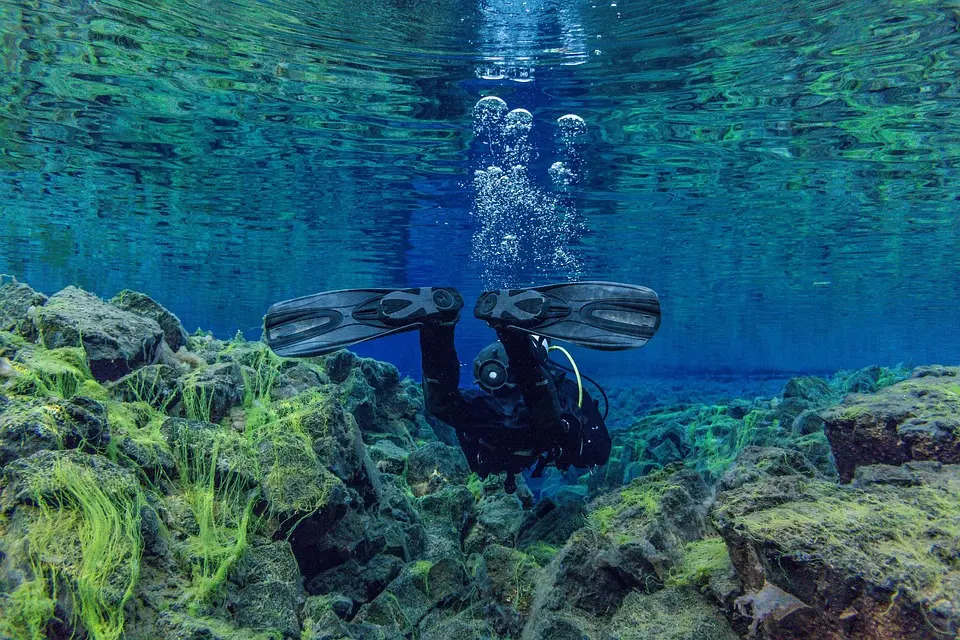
(576, 372)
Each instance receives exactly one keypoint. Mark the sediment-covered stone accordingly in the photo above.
(16, 300)
(115, 341)
(917, 419)
(829, 561)
(143, 305)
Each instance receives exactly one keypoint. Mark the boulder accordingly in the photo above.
(29, 426)
(143, 305)
(872, 561)
(209, 393)
(157, 384)
(115, 341)
(16, 300)
(810, 389)
(635, 539)
(499, 518)
(669, 614)
(420, 587)
(435, 465)
(917, 419)
(268, 589)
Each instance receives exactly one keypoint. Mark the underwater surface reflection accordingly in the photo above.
(784, 176)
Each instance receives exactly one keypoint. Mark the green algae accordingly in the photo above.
(905, 535)
(701, 559)
(26, 611)
(641, 500)
(45, 372)
(83, 531)
(222, 510)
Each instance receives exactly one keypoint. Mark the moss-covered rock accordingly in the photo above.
(115, 341)
(917, 419)
(143, 305)
(31, 425)
(268, 589)
(420, 587)
(158, 385)
(878, 561)
(435, 465)
(16, 300)
(74, 519)
(674, 613)
(209, 393)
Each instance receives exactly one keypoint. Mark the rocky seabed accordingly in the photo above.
(159, 484)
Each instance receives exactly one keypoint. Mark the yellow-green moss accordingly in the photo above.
(25, 612)
(83, 532)
(50, 372)
(641, 498)
(887, 534)
(701, 559)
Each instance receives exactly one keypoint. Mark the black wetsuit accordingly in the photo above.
(537, 422)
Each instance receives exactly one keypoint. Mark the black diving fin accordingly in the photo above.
(598, 315)
(324, 322)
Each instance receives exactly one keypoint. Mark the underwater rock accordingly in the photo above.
(917, 419)
(70, 540)
(209, 393)
(419, 588)
(871, 562)
(669, 614)
(498, 520)
(357, 583)
(158, 385)
(143, 305)
(16, 300)
(761, 463)
(550, 524)
(869, 379)
(635, 538)
(29, 426)
(511, 576)
(115, 341)
(434, 465)
(269, 589)
(809, 389)
(204, 446)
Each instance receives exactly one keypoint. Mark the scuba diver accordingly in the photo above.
(527, 412)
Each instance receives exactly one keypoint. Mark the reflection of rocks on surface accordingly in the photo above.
(213, 490)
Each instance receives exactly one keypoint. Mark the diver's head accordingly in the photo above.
(491, 368)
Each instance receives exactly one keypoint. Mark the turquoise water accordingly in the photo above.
(784, 175)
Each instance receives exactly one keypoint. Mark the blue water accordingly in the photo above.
(785, 176)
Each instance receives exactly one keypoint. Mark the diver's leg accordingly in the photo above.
(441, 372)
(536, 385)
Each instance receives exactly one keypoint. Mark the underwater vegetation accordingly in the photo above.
(157, 484)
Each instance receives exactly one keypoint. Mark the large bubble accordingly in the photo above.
(571, 126)
(489, 112)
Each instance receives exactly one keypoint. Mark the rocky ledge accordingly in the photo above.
(157, 484)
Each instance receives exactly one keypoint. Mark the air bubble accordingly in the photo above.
(519, 121)
(572, 125)
(489, 110)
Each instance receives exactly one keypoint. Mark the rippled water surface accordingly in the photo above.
(783, 174)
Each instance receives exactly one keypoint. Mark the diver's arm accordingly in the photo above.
(536, 385)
